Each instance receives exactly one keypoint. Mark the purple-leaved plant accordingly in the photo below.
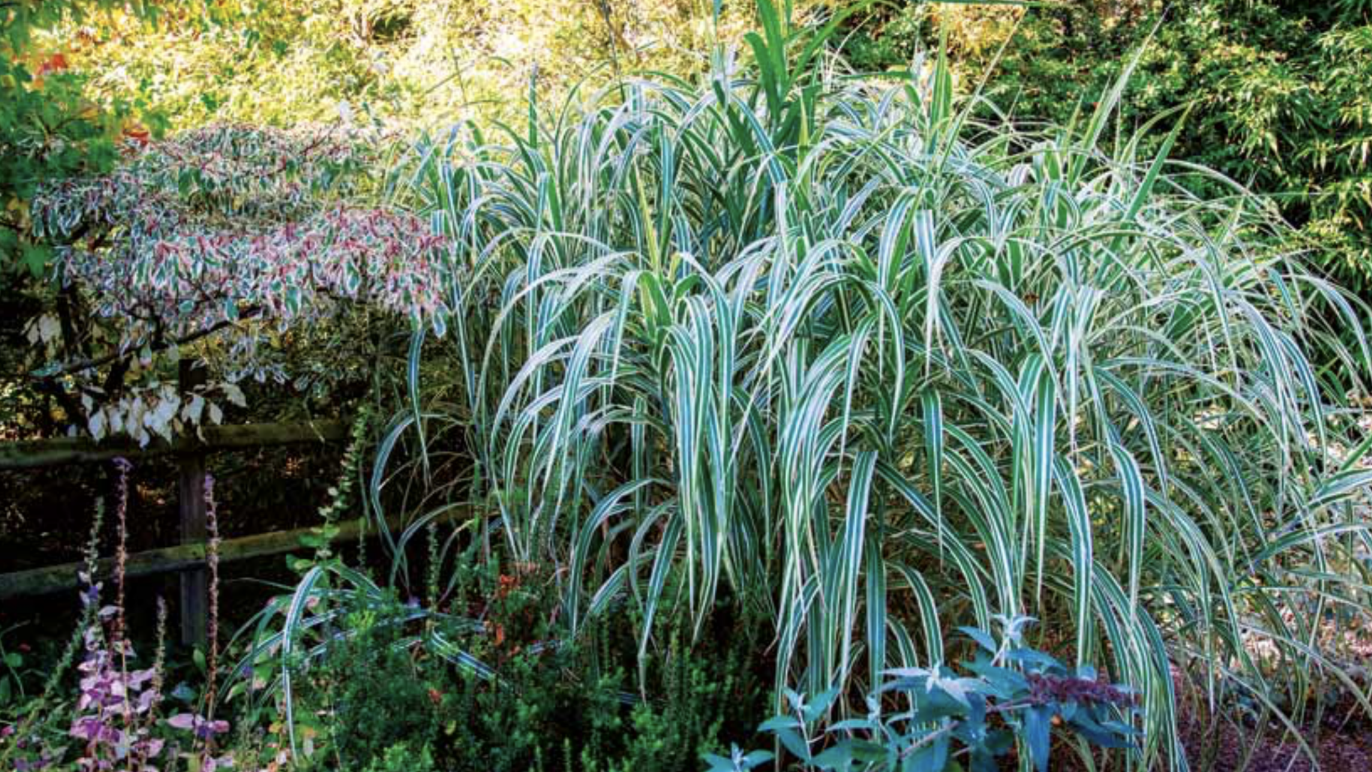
(116, 707)
(212, 559)
(121, 555)
(205, 728)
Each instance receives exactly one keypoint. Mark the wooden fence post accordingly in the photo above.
(191, 498)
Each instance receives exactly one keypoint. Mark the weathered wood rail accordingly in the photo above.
(30, 454)
(187, 558)
(50, 579)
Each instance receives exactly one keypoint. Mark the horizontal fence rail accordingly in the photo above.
(30, 454)
(50, 579)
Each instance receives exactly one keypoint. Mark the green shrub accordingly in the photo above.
(389, 683)
(701, 695)
(378, 695)
(408, 62)
(403, 758)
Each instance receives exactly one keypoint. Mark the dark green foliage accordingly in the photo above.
(1277, 89)
(382, 696)
(403, 758)
(49, 127)
(377, 691)
(551, 712)
(543, 711)
(572, 707)
(707, 694)
(46, 133)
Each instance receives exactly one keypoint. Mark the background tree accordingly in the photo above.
(1277, 90)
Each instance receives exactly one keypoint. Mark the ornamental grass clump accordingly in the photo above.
(835, 348)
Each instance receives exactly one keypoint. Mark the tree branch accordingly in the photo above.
(90, 363)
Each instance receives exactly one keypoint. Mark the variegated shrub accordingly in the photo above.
(242, 231)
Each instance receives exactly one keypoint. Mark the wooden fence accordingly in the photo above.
(188, 557)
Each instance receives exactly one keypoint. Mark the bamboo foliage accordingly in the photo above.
(838, 350)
